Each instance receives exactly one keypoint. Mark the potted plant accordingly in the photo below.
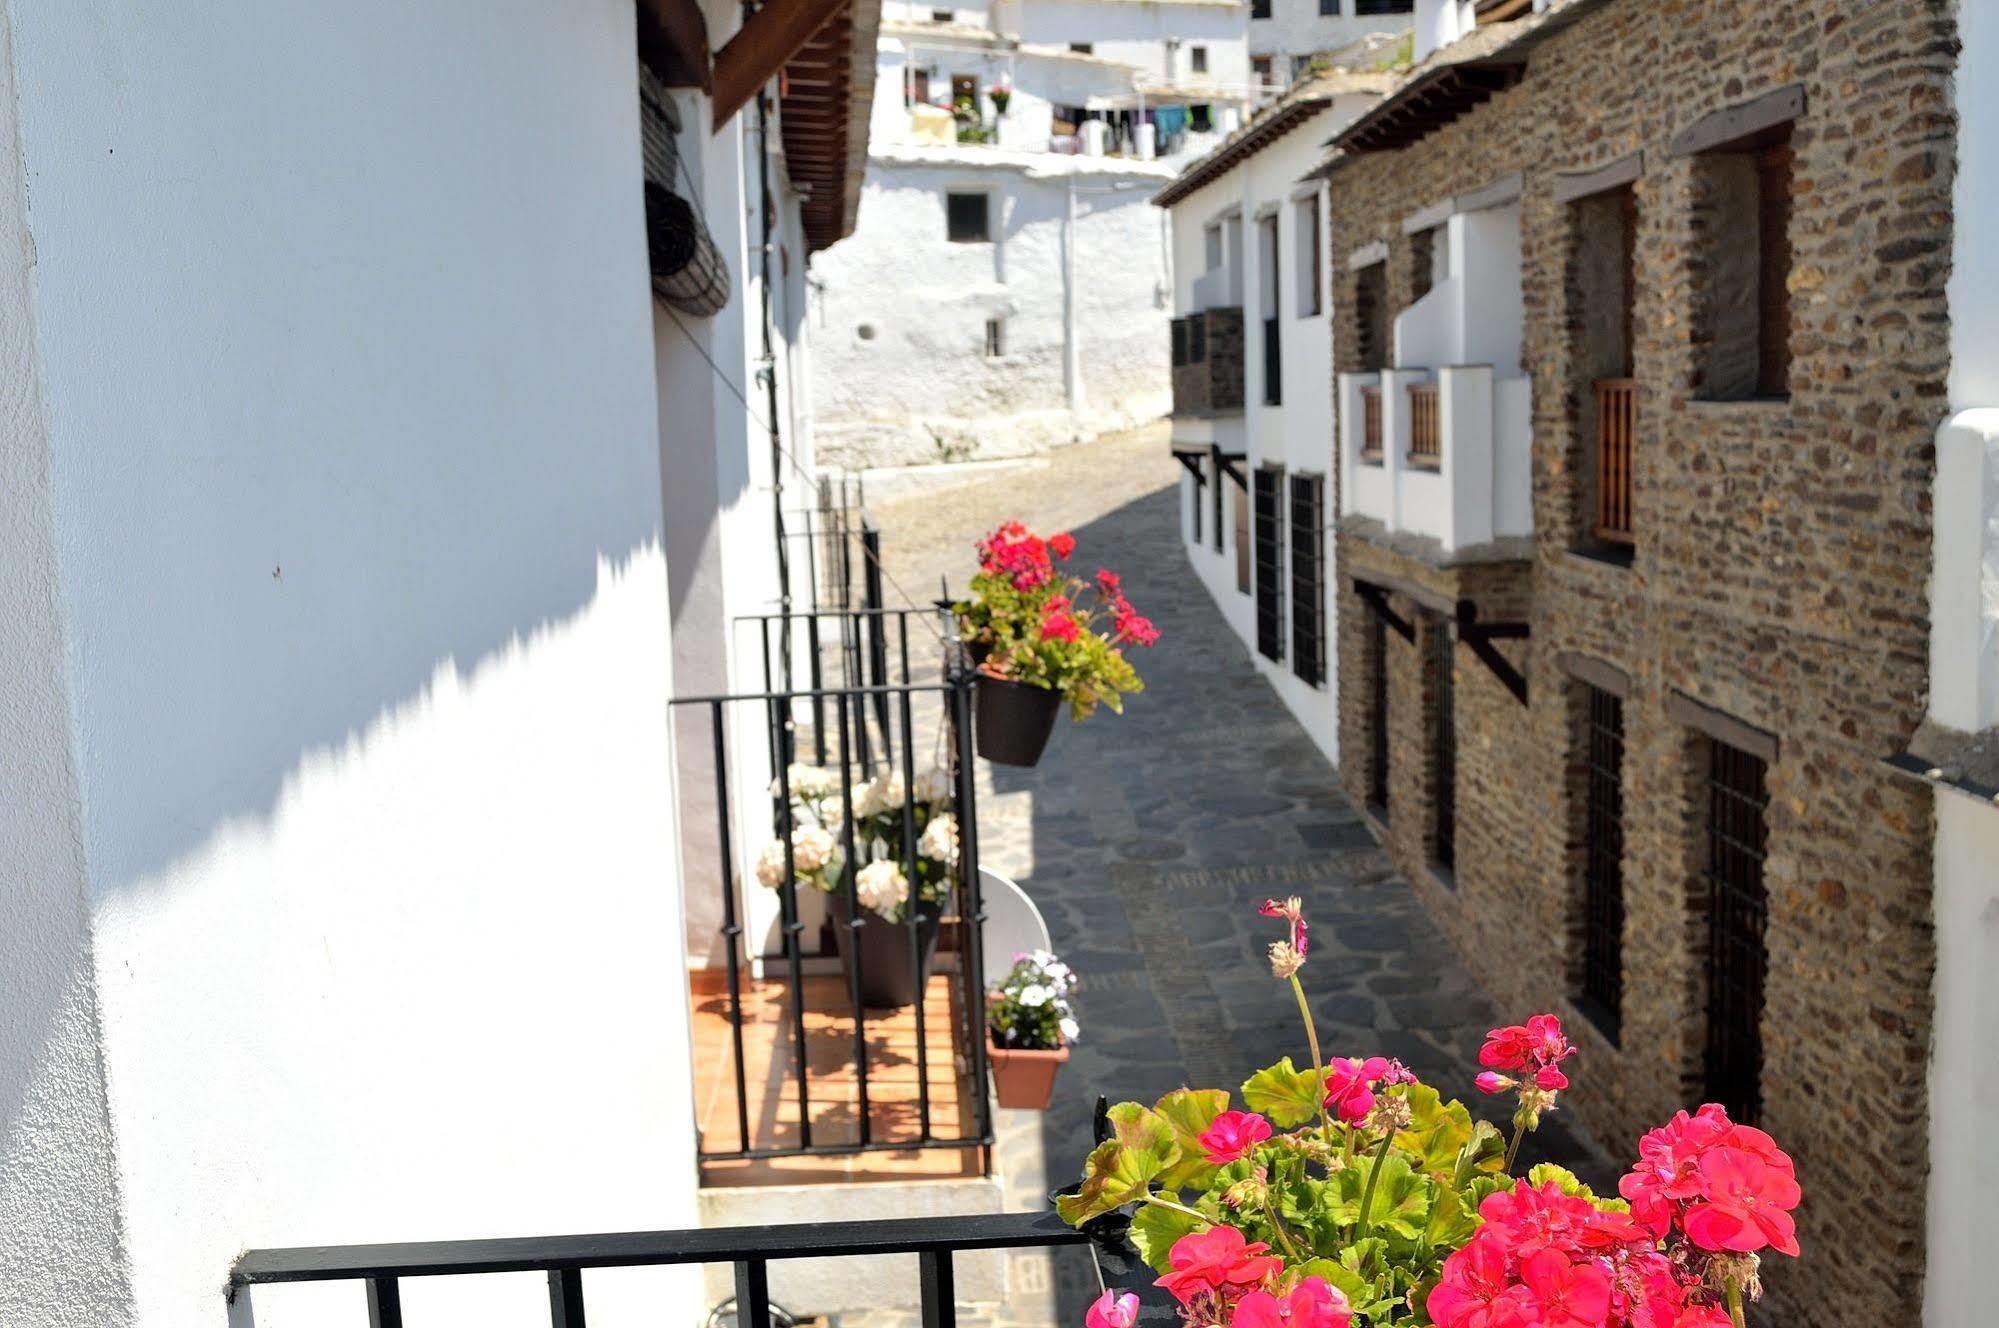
(891, 944)
(1001, 94)
(1029, 1026)
(1041, 637)
(1349, 1194)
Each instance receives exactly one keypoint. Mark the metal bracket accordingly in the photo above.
(1480, 636)
(1376, 599)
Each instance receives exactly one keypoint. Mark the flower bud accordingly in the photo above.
(1491, 1081)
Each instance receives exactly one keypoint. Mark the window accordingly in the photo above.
(1198, 55)
(1211, 239)
(1603, 289)
(1179, 342)
(1429, 261)
(1308, 578)
(1370, 313)
(995, 338)
(1269, 564)
(1744, 296)
(1259, 68)
(1301, 65)
(1194, 486)
(1384, 6)
(1444, 747)
(1329, 8)
(1273, 345)
(1243, 562)
(1259, 9)
(1083, 48)
(968, 218)
(1737, 912)
(1311, 261)
(1377, 714)
(1197, 339)
(943, 15)
(1603, 858)
(919, 87)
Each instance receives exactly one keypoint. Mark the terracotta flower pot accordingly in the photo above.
(1024, 1079)
(1014, 720)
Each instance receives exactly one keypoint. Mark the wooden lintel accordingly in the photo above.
(1722, 727)
(1604, 677)
(1731, 124)
(762, 46)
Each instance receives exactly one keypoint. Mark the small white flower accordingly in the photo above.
(770, 865)
(884, 793)
(881, 887)
(1070, 1030)
(934, 786)
(940, 839)
(1034, 995)
(808, 782)
(811, 848)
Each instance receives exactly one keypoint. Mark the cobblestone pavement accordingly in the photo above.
(1147, 839)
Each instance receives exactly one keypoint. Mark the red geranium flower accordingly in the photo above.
(1217, 1259)
(1350, 1086)
(1566, 1295)
(1234, 1134)
(1745, 1205)
(1063, 544)
(1310, 1304)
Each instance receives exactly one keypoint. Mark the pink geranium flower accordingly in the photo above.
(1234, 1134)
(1745, 1205)
(1217, 1259)
(1566, 1295)
(1060, 626)
(1350, 1086)
(1476, 1292)
(1112, 1310)
(1062, 545)
(1311, 1304)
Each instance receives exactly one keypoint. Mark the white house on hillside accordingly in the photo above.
(1288, 39)
(393, 432)
(1251, 347)
(1013, 152)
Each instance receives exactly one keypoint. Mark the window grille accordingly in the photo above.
(1308, 578)
(968, 218)
(995, 338)
(1259, 8)
(1737, 915)
(1444, 844)
(1603, 859)
(1377, 707)
(1269, 565)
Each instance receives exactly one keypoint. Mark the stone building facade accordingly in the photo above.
(1759, 616)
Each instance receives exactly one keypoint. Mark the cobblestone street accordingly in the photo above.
(1147, 839)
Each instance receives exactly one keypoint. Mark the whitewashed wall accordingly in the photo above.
(1297, 28)
(1136, 32)
(356, 513)
(1964, 696)
(899, 320)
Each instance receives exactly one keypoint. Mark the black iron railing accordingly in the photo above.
(751, 1250)
(843, 732)
(841, 650)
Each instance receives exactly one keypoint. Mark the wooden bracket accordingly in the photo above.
(1230, 464)
(1192, 461)
(1376, 599)
(1480, 635)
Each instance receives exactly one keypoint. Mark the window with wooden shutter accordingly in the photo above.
(1269, 563)
(1603, 859)
(1773, 260)
(1737, 915)
(1308, 578)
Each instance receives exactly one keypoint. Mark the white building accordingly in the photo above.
(1958, 748)
(1252, 407)
(361, 509)
(1288, 39)
(1013, 151)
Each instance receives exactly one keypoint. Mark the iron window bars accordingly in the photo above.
(1308, 578)
(1269, 564)
(1737, 917)
(1603, 860)
(1377, 706)
(1444, 838)
(751, 1250)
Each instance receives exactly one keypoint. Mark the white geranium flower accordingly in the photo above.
(881, 887)
(1070, 1030)
(1034, 995)
(884, 793)
(934, 785)
(770, 865)
(940, 839)
(808, 782)
(811, 848)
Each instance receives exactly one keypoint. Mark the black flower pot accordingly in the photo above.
(890, 975)
(1014, 720)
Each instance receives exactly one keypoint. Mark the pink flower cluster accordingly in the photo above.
(1057, 622)
(1221, 1278)
(1352, 1083)
(1534, 1050)
(1543, 1259)
(1729, 1188)
(1021, 556)
(1234, 1135)
(1128, 625)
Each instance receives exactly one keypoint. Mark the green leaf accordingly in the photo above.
(1154, 1229)
(1401, 1199)
(1139, 1127)
(1283, 1093)
(1188, 1112)
(1113, 1176)
(1565, 1180)
(1451, 1224)
(1484, 1151)
(1437, 1129)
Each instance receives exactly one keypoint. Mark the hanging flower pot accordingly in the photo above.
(890, 975)
(1014, 720)
(1025, 1079)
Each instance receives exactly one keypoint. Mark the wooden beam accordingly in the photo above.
(673, 42)
(761, 47)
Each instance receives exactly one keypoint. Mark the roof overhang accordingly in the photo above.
(826, 96)
(1258, 134)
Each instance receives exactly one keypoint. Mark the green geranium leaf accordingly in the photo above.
(1451, 1224)
(1139, 1127)
(1402, 1198)
(1484, 1151)
(1283, 1093)
(1188, 1112)
(1114, 1175)
(1154, 1230)
(1565, 1180)
(1437, 1130)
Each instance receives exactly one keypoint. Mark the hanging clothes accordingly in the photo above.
(1171, 120)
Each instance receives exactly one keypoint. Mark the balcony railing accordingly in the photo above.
(1616, 437)
(768, 1012)
(1370, 424)
(1426, 426)
(562, 1260)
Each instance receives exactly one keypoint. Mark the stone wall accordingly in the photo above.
(1779, 577)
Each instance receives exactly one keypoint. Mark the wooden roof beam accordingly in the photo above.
(762, 46)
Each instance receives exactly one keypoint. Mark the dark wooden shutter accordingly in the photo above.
(1603, 861)
(1308, 578)
(1774, 166)
(1269, 564)
(1737, 915)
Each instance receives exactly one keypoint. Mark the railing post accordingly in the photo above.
(915, 922)
(385, 1303)
(940, 1295)
(856, 923)
(971, 906)
(788, 912)
(565, 1298)
(752, 1294)
(732, 929)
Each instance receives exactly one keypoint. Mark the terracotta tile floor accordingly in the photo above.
(832, 1087)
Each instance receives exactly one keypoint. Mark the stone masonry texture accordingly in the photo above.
(1779, 577)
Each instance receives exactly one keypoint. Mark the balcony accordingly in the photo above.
(1437, 455)
(1208, 363)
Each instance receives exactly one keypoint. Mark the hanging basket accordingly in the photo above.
(1014, 720)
